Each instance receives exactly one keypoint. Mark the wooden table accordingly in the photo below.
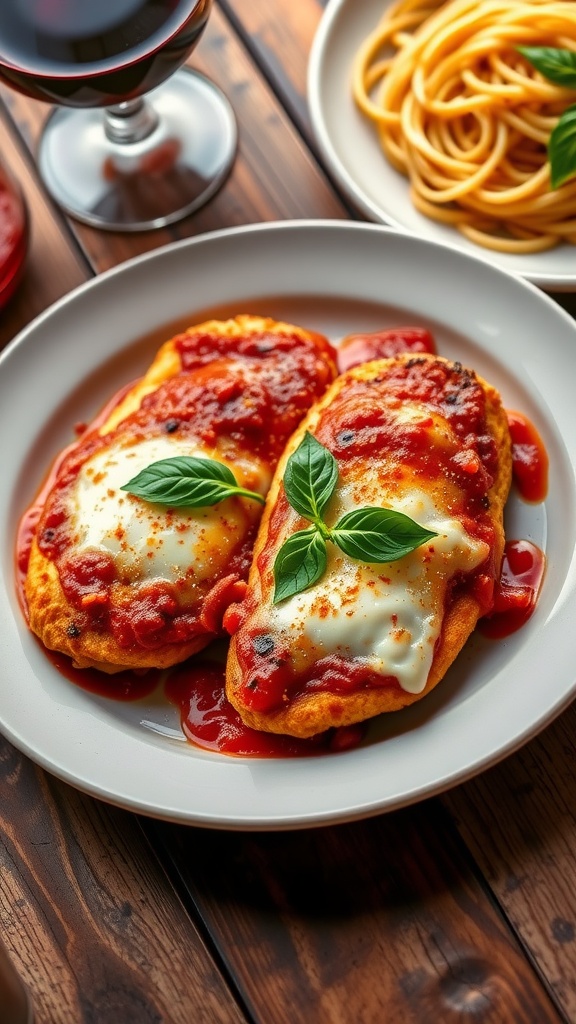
(460, 908)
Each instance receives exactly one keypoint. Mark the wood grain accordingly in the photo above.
(519, 820)
(279, 36)
(357, 924)
(88, 916)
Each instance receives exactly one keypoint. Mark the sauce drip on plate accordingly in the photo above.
(516, 593)
(523, 564)
(210, 721)
(123, 686)
(529, 458)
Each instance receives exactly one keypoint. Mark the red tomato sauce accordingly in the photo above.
(274, 683)
(122, 686)
(529, 458)
(209, 720)
(516, 593)
(362, 348)
(357, 426)
(278, 377)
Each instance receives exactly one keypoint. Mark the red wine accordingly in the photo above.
(13, 236)
(89, 53)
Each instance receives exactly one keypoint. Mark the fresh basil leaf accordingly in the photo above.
(300, 562)
(310, 478)
(187, 481)
(378, 534)
(558, 66)
(562, 148)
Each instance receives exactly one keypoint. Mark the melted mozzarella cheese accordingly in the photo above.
(387, 615)
(150, 541)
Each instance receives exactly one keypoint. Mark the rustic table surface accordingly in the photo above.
(459, 908)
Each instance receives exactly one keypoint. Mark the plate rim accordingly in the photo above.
(309, 818)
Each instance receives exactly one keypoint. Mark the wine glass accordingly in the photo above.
(136, 141)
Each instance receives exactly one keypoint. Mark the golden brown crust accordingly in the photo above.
(53, 620)
(51, 616)
(309, 714)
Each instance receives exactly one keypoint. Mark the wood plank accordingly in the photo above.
(88, 917)
(260, 188)
(374, 921)
(519, 821)
(279, 36)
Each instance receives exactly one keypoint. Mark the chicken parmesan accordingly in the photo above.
(426, 438)
(115, 581)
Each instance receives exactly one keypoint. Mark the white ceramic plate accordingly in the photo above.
(352, 150)
(335, 277)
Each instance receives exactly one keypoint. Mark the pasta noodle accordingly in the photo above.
(467, 118)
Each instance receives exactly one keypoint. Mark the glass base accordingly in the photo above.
(135, 186)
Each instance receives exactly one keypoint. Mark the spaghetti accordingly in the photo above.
(467, 118)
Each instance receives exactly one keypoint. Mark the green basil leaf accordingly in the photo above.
(562, 148)
(187, 481)
(378, 534)
(558, 66)
(310, 478)
(300, 562)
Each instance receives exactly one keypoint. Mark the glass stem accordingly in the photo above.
(130, 121)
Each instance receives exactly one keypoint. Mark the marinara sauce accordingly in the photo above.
(209, 721)
(523, 564)
(124, 686)
(393, 341)
(516, 592)
(529, 458)
(29, 522)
